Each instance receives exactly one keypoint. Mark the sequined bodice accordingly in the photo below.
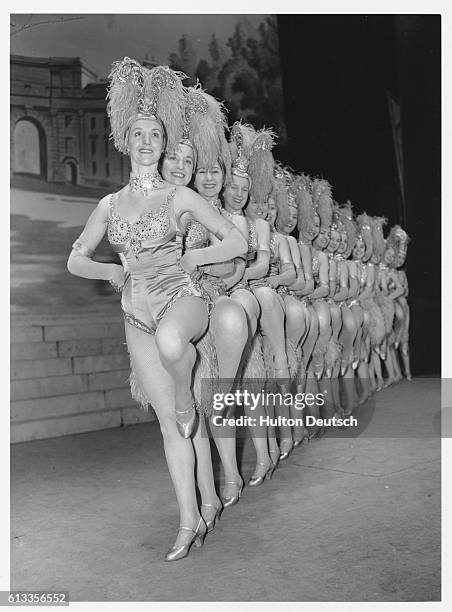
(274, 255)
(150, 226)
(362, 273)
(196, 235)
(338, 258)
(315, 265)
(150, 250)
(252, 240)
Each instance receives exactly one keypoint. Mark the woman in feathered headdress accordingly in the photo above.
(374, 317)
(165, 310)
(283, 217)
(381, 296)
(323, 201)
(203, 152)
(398, 241)
(257, 161)
(308, 228)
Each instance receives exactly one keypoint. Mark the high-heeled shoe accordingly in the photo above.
(179, 552)
(302, 440)
(274, 456)
(232, 499)
(286, 447)
(186, 428)
(210, 523)
(269, 468)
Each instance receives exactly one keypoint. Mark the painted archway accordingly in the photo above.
(30, 147)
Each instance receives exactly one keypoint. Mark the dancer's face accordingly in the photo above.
(388, 257)
(359, 249)
(309, 231)
(399, 259)
(256, 209)
(177, 167)
(375, 259)
(146, 142)
(335, 239)
(291, 221)
(323, 238)
(271, 214)
(343, 243)
(209, 181)
(236, 193)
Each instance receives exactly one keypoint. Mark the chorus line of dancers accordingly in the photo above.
(216, 288)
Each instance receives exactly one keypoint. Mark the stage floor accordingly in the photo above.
(344, 519)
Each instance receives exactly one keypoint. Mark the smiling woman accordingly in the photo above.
(177, 166)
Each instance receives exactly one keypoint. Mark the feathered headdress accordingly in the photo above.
(365, 231)
(204, 128)
(136, 92)
(323, 201)
(398, 240)
(346, 216)
(306, 208)
(261, 163)
(378, 236)
(281, 193)
(242, 138)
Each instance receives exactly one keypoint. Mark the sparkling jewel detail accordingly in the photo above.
(146, 182)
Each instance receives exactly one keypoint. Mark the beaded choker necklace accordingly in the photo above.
(147, 182)
(235, 212)
(216, 203)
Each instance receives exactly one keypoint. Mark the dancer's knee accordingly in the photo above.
(229, 319)
(171, 344)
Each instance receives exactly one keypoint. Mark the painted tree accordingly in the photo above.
(247, 79)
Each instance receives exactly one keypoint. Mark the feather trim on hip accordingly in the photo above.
(333, 353)
(205, 374)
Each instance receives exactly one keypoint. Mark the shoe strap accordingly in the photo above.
(185, 411)
(211, 506)
(191, 529)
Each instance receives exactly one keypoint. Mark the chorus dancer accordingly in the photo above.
(258, 276)
(393, 290)
(282, 217)
(351, 339)
(377, 330)
(165, 310)
(385, 304)
(315, 289)
(399, 240)
(204, 145)
(361, 252)
(337, 293)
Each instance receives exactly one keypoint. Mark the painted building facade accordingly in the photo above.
(59, 125)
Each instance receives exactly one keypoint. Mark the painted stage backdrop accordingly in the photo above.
(62, 160)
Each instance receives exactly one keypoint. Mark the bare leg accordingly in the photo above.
(272, 325)
(296, 328)
(229, 328)
(313, 333)
(348, 335)
(158, 387)
(314, 410)
(318, 355)
(225, 441)
(204, 471)
(358, 313)
(377, 368)
(184, 322)
(336, 325)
